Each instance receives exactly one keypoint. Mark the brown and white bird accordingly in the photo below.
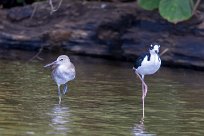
(63, 72)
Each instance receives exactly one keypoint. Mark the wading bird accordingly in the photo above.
(63, 71)
(147, 64)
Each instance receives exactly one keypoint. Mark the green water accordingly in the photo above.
(103, 100)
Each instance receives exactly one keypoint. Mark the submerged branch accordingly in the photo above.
(37, 54)
(164, 51)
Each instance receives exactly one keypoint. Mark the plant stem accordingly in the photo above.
(195, 7)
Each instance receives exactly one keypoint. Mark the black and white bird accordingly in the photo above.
(63, 71)
(147, 64)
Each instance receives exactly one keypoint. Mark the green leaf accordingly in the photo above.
(175, 10)
(149, 4)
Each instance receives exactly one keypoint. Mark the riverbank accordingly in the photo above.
(104, 29)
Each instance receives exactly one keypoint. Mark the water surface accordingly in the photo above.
(103, 100)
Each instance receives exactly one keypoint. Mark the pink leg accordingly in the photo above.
(143, 98)
(144, 86)
(144, 91)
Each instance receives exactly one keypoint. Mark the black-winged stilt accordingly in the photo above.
(147, 64)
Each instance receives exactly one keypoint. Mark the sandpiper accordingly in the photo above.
(147, 64)
(63, 71)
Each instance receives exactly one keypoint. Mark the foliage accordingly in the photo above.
(173, 10)
(149, 4)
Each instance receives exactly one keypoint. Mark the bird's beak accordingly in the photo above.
(50, 64)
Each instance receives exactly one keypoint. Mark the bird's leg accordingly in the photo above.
(144, 86)
(59, 94)
(143, 98)
(144, 93)
(65, 89)
(144, 90)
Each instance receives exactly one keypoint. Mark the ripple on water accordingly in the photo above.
(104, 99)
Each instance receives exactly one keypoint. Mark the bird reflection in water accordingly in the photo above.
(60, 119)
(139, 129)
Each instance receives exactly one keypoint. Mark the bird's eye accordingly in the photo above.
(61, 59)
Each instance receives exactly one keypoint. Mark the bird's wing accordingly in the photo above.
(139, 60)
(71, 72)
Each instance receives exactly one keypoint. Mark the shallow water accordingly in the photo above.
(103, 100)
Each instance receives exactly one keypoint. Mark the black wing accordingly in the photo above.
(139, 60)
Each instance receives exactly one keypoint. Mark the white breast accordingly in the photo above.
(151, 66)
(63, 73)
